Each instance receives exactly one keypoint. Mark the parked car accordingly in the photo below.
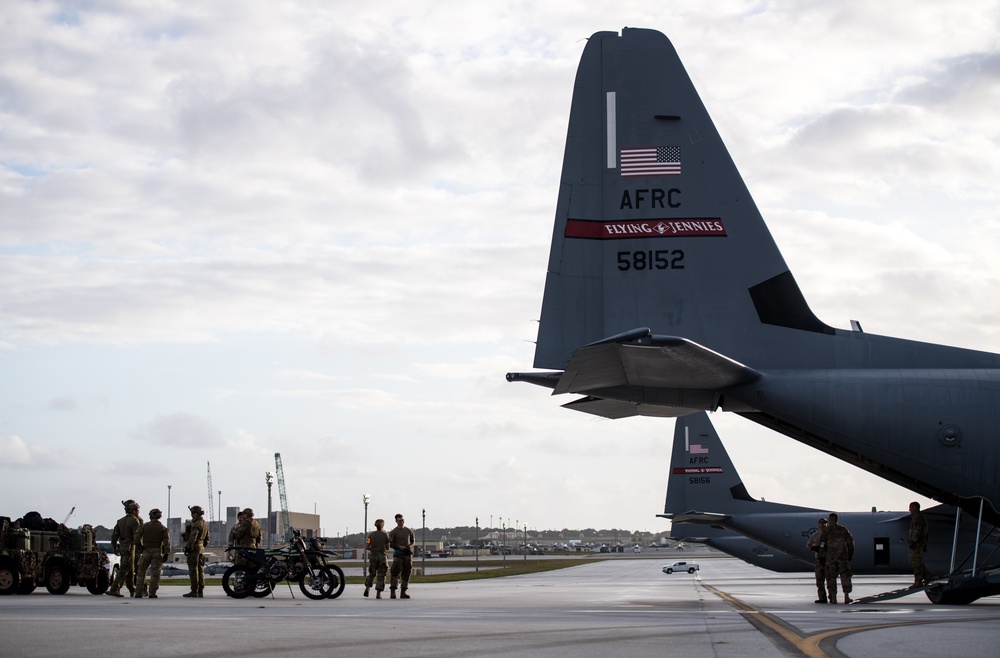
(114, 561)
(690, 567)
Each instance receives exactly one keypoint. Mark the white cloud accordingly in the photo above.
(322, 229)
(182, 430)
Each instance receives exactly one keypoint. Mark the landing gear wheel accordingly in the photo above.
(100, 584)
(318, 586)
(10, 579)
(57, 580)
(338, 580)
(237, 582)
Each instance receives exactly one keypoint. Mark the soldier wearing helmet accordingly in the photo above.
(124, 544)
(247, 533)
(155, 540)
(195, 540)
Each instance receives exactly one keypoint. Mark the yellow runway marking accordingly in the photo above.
(809, 644)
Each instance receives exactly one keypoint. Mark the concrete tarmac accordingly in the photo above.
(614, 607)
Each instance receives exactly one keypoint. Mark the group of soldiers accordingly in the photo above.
(400, 540)
(834, 549)
(142, 545)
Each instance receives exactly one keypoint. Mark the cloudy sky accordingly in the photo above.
(231, 229)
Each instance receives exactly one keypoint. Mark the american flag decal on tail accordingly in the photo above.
(651, 161)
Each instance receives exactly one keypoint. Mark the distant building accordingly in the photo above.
(308, 524)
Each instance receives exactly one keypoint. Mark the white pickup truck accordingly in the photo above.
(690, 567)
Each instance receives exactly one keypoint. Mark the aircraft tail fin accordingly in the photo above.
(654, 226)
(703, 485)
(702, 479)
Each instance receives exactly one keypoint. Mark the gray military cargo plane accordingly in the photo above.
(704, 487)
(666, 295)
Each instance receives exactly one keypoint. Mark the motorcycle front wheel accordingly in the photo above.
(319, 584)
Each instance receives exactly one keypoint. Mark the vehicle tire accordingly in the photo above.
(237, 582)
(57, 579)
(10, 578)
(670, 570)
(319, 586)
(263, 588)
(100, 584)
(27, 586)
(338, 581)
(690, 570)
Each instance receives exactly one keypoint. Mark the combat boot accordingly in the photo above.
(822, 600)
(847, 598)
(193, 594)
(403, 594)
(115, 592)
(201, 593)
(833, 599)
(392, 593)
(378, 594)
(367, 589)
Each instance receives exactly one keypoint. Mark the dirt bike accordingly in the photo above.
(259, 570)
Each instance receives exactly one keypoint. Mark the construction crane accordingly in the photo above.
(66, 520)
(286, 525)
(211, 507)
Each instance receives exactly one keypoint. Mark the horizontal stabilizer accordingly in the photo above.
(615, 409)
(673, 363)
(696, 517)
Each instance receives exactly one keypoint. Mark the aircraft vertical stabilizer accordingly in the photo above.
(666, 294)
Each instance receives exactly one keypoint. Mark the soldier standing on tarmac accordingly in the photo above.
(232, 534)
(839, 551)
(123, 543)
(378, 563)
(918, 546)
(401, 540)
(155, 539)
(195, 538)
(247, 533)
(816, 545)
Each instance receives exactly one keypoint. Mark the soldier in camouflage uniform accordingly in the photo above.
(248, 533)
(918, 546)
(155, 540)
(378, 563)
(819, 566)
(123, 544)
(839, 544)
(195, 538)
(401, 540)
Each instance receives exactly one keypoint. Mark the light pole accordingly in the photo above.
(269, 478)
(423, 552)
(222, 523)
(503, 542)
(477, 543)
(168, 504)
(525, 543)
(365, 498)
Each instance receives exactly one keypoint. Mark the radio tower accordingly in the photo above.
(211, 507)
